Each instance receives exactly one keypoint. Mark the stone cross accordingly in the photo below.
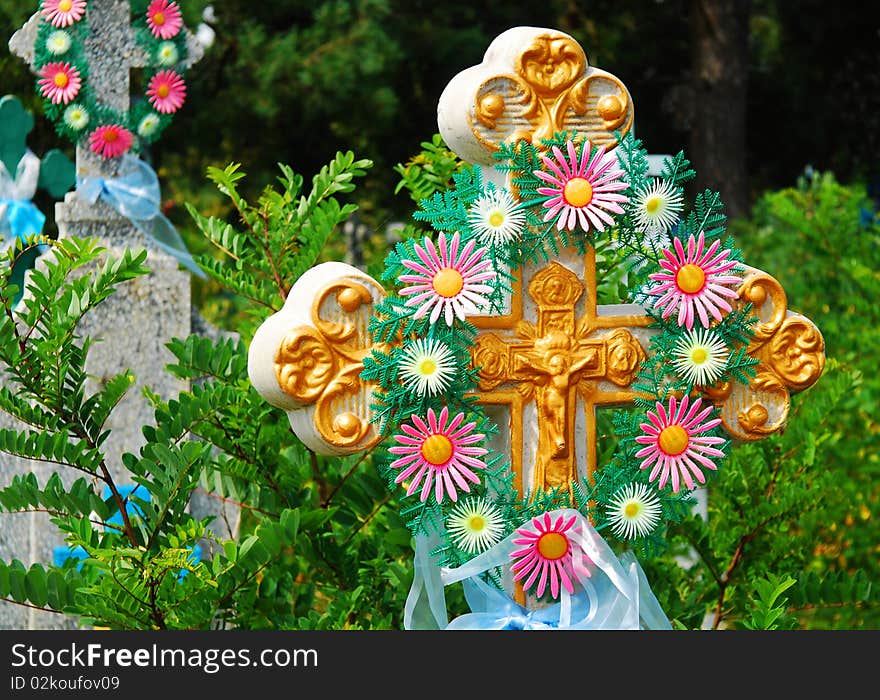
(162, 300)
(136, 322)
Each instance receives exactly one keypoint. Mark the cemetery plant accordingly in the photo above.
(323, 545)
(303, 560)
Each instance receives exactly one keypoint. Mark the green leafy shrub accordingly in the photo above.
(318, 548)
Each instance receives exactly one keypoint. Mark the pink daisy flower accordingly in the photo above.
(548, 553)
(59, 82)
(582, 191)
(693, 279)
(163, 19)
(438, 454)
(110, 141)
(63, 13)
(448, 281)
(675, 444)
(166, 91)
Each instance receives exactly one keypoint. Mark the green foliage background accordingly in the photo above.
(792, 535)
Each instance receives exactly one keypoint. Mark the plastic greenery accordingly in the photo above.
(629, 243)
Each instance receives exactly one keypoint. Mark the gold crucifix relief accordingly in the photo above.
(553, 361)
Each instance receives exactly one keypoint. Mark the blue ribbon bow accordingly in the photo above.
(494, 610)
(614, 594)
(135, 194)
(23, 218)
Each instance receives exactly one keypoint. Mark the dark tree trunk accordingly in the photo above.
(719, 29)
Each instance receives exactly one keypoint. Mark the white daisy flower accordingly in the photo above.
(167, 54)
(700, 356)
(428, 365)
(657, 207)
(634, 511)
(494, 218)
(148, 126)
(76, 117)
(475, 525)
(58, 43)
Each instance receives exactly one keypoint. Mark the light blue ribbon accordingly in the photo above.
(23, 218)
(134, 193)
(615, 595)
(494, 610)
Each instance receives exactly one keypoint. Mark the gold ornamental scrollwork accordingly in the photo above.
(553, 89)
(797, 353)
(320, 364)
(304, 364)
(791, 357)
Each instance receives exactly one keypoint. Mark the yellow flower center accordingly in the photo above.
(163, 91)
(476, 523)
(496, 218)
(427, 366)
(653, 204)
(65, 5)
(110, 136)
(690, 278)
(631, 509)
(61, 80)
(578, 192)
(552, 545)
(699, 355)
(673, 440)
(448, 282)
(437, 449)
(159, 19)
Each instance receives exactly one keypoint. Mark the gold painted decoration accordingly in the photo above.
(559, 361)
(791, 354)
(321, 364)
(551, 90)
(532, 84)
(308, 358)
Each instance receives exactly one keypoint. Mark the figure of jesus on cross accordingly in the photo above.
(552, 362)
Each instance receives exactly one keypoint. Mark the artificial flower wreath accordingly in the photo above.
(679, 268)
(63, 75)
